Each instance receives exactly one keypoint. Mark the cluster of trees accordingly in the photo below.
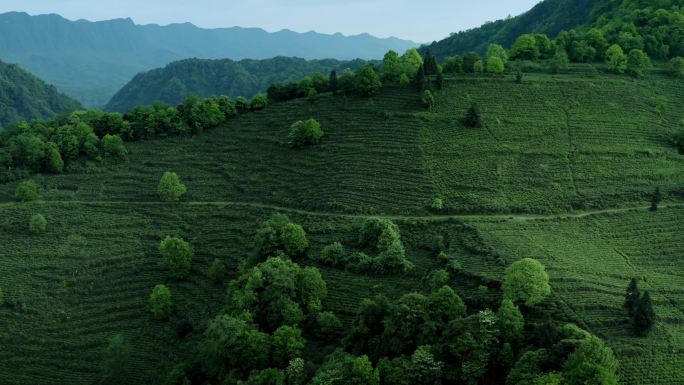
(639, 309)
(494, 62)
(278, 236)
(382, 251)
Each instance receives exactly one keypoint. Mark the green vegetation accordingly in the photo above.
(429, 228)
(305, 133)
(160, 302)
(205, 78)
(27, 191)
(176, 256)
(37, 224)
(24, 97)
(526, 281)
(170, 188)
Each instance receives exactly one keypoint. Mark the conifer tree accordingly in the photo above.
(632, 297)
(419, 81)
(657, 198)
(430, 63)
(332, 82)
(472, 118)
(644, 317)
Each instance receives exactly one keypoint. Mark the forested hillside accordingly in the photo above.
(548, 17)
(652, 26)
(202, 78)
(92, 60)
(25, 97)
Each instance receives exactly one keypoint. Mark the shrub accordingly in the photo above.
(37, 224)
(479, 67)
(160, 302)
(427, 99)
(677, 67)
(217, 270)
(637, 62)
(259, 102)
(170, 188)
(27, 191)
(305, 133)
(367, 81)
(437, 204)
(334, 254)
(176, 256)
(113, 146)
(53, 159)
(279, 235)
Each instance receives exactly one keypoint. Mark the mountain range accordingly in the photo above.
(91, 61)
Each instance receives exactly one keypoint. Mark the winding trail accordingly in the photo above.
(436, 218)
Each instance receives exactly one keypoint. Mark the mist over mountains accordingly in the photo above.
(91, 61)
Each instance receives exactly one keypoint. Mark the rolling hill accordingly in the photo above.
(92, 60)
(203, 78)
(25, 97)
(561, 171)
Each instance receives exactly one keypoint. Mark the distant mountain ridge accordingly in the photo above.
(25, 97)
(206, 77)
(547, 17)
(92, 60)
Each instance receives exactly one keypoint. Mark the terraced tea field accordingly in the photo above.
(553, 147)
(590, 261)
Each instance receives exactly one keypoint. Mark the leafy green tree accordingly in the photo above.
(425, 369)
(469, 61)
(53, 159)
(367, 81)
(616, 59)
(37, 224)
(528, 367)
(404, 80)
(479, 67)
(472, 117)
(453, 65)
(559, 62)
(160, 302)
(241, 104)
(328, 326)
(644, 316)
(217, 270)
(259, 102)
(637, 62)
(632, 297)
(334, 254)
(411, 61)
(170, 188)
(430, 63)
(288, 344)
(526, 281)
(28, 149)
(524, 48)
(592, 363)
(656, 199)
(305, 133)
(511, 322)
(495, 65)
(234, 343)
(27, 191)
(270, 376)
(116, 363)
(294, 239)
(427, 99)
(176, 256)
(295, 374)
(496, 50)
(676, 66)
(391, 67)
(445, 306)
(312, 96)
(113, 146)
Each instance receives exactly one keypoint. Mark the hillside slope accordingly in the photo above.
(25, 97)
(548, 17)
(551, 145)
(92, 60)
(203, 78)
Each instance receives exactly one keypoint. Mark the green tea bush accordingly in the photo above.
(37, 224)
(27, 191)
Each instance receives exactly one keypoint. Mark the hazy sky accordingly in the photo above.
(422, 21)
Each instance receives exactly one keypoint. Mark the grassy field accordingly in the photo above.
(552, 145)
